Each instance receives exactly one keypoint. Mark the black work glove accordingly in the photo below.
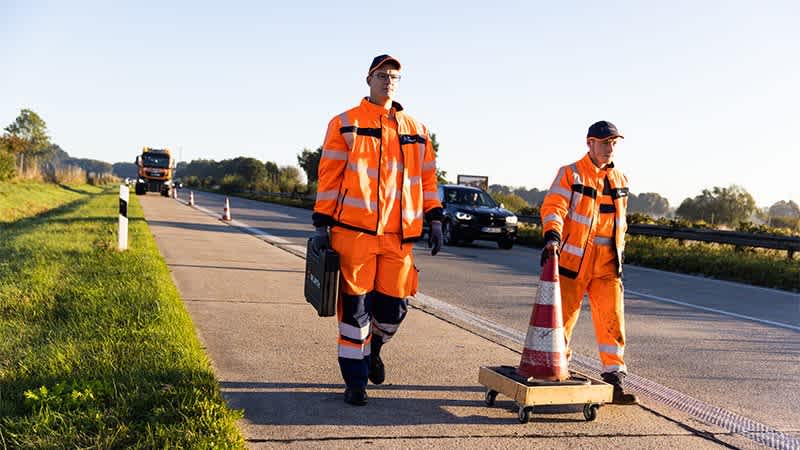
(551, 248)
(435, 238)
(320, 240)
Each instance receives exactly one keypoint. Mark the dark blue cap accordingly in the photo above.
(603, 130)
(380, 60)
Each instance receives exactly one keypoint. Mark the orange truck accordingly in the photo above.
(156, 171)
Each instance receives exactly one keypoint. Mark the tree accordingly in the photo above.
(32, 130)
(308, 160)
(250, 169)
(648, 203)
(784, 209)
(10, 145)
(289, 178)
(273, 172)
(441, 175)
(721, 205)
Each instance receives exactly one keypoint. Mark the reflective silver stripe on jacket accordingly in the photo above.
(560, 191)
(553, 218)
(360, 203)
(429, 165)
(601, 240)
(327, 195)
(430, 195)
(569, 248)
(334, 154)
(580, 218)
(372, 173)
(414, 180)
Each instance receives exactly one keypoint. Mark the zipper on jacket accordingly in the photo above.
(341, 210)
(380, 157)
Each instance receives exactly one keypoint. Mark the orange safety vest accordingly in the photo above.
(572, 209)
(361, 146)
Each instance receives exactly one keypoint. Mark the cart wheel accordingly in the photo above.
(489, 398)
(590, 411)
(525, 414)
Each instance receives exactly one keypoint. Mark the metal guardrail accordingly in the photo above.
(789, 243)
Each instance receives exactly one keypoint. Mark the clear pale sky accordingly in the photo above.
(706, 92)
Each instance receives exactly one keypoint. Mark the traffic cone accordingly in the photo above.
(191, 198)
(226, 213)
(544, 356)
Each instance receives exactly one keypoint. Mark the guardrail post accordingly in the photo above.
(124, 194)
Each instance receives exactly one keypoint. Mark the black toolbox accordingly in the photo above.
(322, 280)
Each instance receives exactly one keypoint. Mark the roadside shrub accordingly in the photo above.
(233, 183)
(8, 167)
(96, 179)
(65, 175)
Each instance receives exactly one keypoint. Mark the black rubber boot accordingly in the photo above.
(356, 397)
(377, 373)
(620, 397)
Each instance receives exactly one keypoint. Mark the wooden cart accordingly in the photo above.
(578, 389)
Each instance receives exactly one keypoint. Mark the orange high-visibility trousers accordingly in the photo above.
(377, 274)
(598, 277)
(374, 263)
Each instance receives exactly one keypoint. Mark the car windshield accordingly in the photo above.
(151, 160)
(470, 197)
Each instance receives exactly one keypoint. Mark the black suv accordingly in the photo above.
(470, 213)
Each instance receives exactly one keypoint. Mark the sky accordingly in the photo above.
(706, 92)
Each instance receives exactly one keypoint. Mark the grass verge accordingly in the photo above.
(20, 199)
(96, 348)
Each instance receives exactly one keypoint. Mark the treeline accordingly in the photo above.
(241, 174)
(26, 152)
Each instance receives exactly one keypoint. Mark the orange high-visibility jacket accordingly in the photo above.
(572, 209)
(353, 160)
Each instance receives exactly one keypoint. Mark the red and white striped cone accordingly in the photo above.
(226, 213)
(191, 198)
(544, 356)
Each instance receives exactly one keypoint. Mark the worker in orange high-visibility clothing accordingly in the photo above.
(583, 217)
(377, 181)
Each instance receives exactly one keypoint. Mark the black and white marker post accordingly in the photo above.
(123, 217)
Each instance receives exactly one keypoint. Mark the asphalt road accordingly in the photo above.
(731, 345)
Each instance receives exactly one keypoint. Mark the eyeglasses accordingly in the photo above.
(385, 76)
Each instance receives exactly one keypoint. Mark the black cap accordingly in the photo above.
(603, 130)
(380, 60)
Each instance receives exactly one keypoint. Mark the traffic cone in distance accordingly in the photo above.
(544, 356)
(226, 213)
(191, 198)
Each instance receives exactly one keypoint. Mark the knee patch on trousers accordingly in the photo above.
(387, 314)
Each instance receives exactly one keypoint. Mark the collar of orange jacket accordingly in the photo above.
(378, 109)
(588, 164)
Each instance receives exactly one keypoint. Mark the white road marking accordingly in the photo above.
(714, 310)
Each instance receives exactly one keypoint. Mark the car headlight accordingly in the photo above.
(511, 220)
(463, 216)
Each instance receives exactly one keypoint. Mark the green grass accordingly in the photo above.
(759, 267)
(19, 199)
(96, 348)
